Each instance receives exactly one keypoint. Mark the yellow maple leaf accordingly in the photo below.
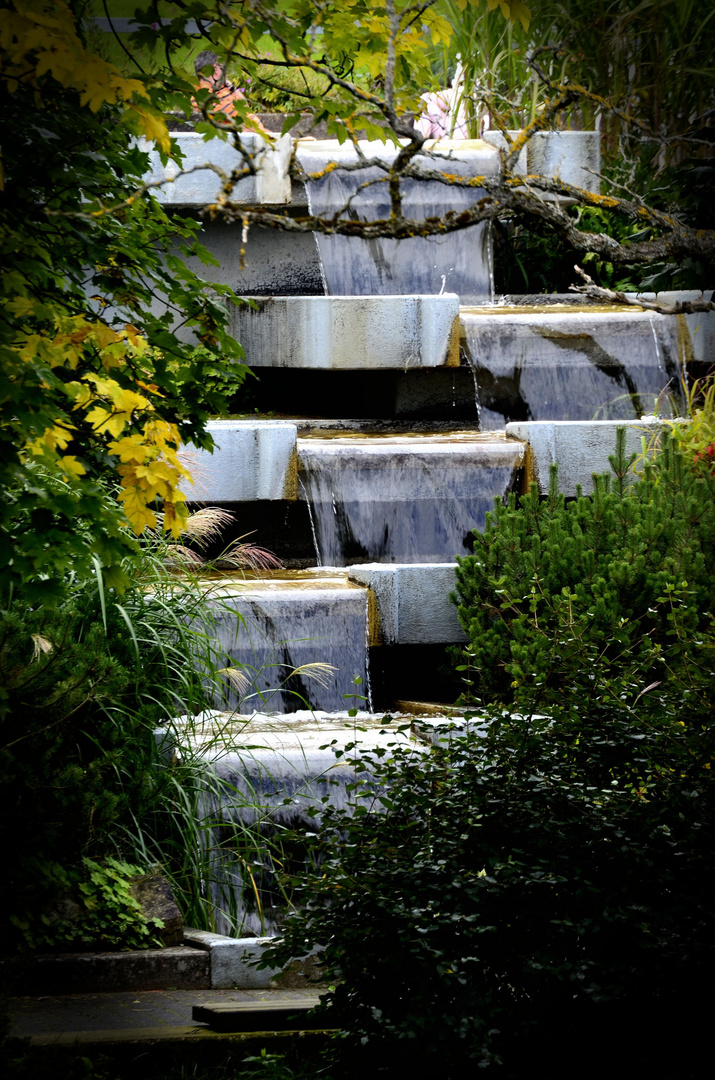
(106, 421)
(153, 126)
(129, 450)
(138, 514)
(71, 466)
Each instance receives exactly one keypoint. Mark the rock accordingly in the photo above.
(153, 892)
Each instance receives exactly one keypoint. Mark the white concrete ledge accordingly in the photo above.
(411, 603)
(270, 185)
(701, 325)
(580, 448)
(408, 467)
(252, 459)
(464, 157)
(571, 156)
(339, 333)
(231, 960)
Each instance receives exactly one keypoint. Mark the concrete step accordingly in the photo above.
(349, 333)
(580, 449)
(199, 180)
(248, 1016)
(411, 497)
(459, 262)
(280, 631)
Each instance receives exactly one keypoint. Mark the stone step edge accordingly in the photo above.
(205, 961)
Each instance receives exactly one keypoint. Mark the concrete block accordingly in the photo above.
(579, 448)
(230, 960)
(179, 968)
(495, 138)
(698, 342)
(193, 184)
(339, 333)
(252, 459)
(411, 603)
(572, 156)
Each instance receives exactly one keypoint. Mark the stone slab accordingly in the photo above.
(580, 448)
(342, 333)
(191, 185)
(398, 467)
(572, 156)
(261, 1016)
(339, 183)
(230, 960)
(179, 968)
(411, 603)
(252, 459)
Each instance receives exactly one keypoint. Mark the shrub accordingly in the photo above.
(84, 687)
(520, 894)
(558, 595)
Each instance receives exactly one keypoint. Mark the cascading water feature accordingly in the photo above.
(458, 262)
(401, 504)
(273, 774)
(299, 641)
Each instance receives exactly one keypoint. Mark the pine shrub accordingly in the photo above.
(559, 595)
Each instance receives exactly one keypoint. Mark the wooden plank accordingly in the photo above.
(260, 1015)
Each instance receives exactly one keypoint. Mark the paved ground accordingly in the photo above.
(103, 1017)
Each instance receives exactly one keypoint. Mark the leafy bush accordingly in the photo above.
(528, 888)
(96, 911)
(84, 687)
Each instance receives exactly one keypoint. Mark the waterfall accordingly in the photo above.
(458, 262)
(296, 644)
(267, 775)
(561, 365)
(401, 499)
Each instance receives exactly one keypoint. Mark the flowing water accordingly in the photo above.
(402, 499)
(297, 643)
(459, 262)
(566, 366)
(272, 774)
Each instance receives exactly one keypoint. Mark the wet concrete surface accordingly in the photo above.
(103, 1017)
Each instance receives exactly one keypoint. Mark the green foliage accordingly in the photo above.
(559, 595)
(85, 686)
(544, 874)
(695, 436)
(517, 891)
(95, 383)
(99, 913)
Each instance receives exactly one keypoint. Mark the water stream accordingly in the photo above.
(298, 645)
(565, 367)
(459, 262)
(401, 499)
(270, 775)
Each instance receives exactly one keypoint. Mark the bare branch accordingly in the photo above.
(613, 296)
